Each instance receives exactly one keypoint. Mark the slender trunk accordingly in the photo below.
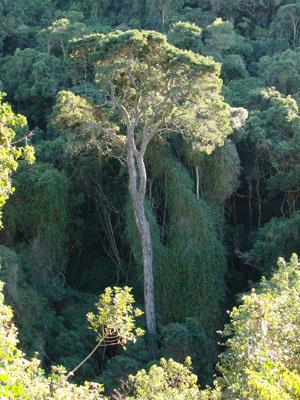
(137, 189)
(163, 17)
(165, 212)
(258, 203)
(250, 203)
(48, 47)
(63, 50)
(147, 251)
(197, 182)
(83, 361)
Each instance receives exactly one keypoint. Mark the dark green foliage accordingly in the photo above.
(218, 173)
(227, 47)
(190, 235)
(282, 70)
(278, 237)
(52, 319)
(242, 92)
(286, 23)
(119, 366)
(32, 79)
(18, 20)
(180, 339)
(38, 214)
(271, 156)
(117, 370)
(54, 39)
(186, 36)
(233, 67)
(37, 219)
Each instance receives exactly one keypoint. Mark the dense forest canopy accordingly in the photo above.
(152, 145)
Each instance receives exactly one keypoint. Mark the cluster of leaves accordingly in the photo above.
(115, 320)
(261, 359)
(24, 379)
(167, 380)
(9, 153)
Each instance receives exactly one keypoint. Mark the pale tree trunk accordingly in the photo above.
(163, 18)
(294, 24)
(258, 203)
(137, 189)
(162, 4)
(197, 182)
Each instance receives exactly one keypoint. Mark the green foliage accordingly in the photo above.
(168, 380)
(186, 35)
(279, 236)
(221, 39)
(274, 381)
(198, 242)
(242, 92)
(286, 23)
(9, 154)
(219, 173)
(180, 339)
(55, 38)
(85, 126)
(269, 148)
(115, 321)
(32, 79)
(261, 359)
(118, 368)
(19, 19)
(39, 213)
(34, 295)
(150, 60)
(228, 47)
(254, 12)
(282, 71)
(233, 67)
(24, 379)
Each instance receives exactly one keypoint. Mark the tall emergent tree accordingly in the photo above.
(152, 88)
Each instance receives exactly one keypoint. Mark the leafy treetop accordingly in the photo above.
(162, 88)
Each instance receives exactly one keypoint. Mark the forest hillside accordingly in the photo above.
(149, 183)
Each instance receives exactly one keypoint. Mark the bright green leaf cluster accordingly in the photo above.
(9, 154)
(262, 358)
(24, 379)
(115, 321)
(168, 380)
(162, 87)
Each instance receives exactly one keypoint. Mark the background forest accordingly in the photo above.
(219, 219)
